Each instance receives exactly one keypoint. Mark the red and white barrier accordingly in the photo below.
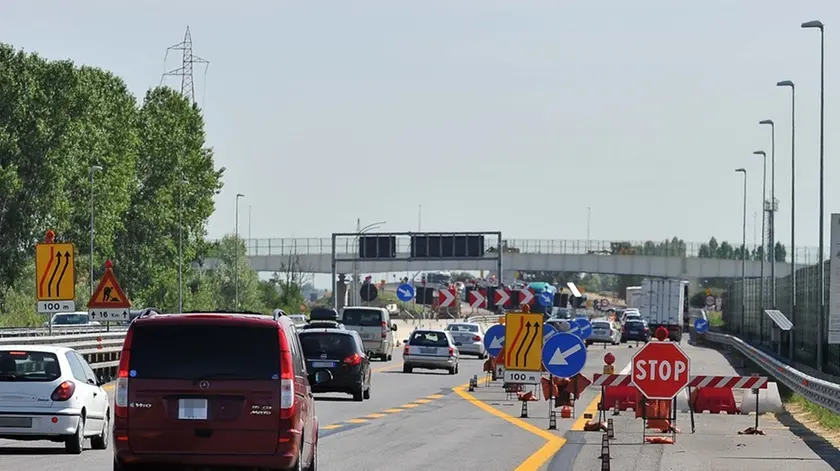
(729, 382)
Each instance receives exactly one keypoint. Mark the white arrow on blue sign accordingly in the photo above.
(548, 331)
(494, 339)
(564, 355)
(545, 299)
(701, 326)
(584, 327)
(405, 292)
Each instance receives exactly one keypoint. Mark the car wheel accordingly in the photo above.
(456, 368)
(366, 394)
(358, 395)
(100, 442)
(452, 370)
(313, 466)
(299, 464)
(407, 369)
(76, 442)
(389, 358)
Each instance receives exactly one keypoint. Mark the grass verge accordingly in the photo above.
(827, 419)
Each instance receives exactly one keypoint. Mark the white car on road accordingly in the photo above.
(51, 393)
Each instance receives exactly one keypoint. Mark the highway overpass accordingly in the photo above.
(313, 255)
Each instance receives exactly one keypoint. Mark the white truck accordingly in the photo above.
(662, 303)
(632, 296)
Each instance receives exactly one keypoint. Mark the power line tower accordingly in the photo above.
(188, 61)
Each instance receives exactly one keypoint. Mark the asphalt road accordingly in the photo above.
(430, 420)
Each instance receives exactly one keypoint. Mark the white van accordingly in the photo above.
(374, 327)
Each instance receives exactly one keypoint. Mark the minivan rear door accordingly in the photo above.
(204, 388)
(367, 322)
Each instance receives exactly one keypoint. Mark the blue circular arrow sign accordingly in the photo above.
(494, 339)
(405, 292)
(548, 332)
(701, 326)
(564, 355)
(584, 327)
(545, 299)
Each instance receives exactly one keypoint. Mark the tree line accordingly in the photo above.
(74, 140)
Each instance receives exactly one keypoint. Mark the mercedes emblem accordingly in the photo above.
(323, 356)
(204, 384)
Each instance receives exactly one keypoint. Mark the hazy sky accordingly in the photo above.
(512, 116)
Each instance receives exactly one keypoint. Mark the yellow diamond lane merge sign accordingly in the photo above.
(523, 341)
(55, 273)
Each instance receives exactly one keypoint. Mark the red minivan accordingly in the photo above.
(214, 389)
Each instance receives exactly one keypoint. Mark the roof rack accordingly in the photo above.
(150, 311)
(277, 313)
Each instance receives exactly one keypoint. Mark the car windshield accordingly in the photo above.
(462, 328)
(600, 325)
(316, 344)
(70, 319)
(28, 366)
(193, 351)
(429, 339)
(363, 317)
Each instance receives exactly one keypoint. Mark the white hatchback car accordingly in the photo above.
(51, 393)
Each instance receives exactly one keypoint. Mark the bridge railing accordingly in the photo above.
(348, 246)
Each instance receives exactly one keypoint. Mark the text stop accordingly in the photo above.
(658, 370)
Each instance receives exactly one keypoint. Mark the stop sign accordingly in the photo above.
(660, 370)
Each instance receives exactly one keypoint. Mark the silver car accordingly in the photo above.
(468, 337)
(431, 350)
(604, 331)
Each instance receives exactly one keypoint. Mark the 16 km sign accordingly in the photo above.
(660, 370)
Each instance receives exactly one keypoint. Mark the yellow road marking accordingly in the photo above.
(592, 408)
(408, 406)
(375, 416)
(423, 401)
(356, 421)
(393, 411)
(435, 396)
(331, 427)
(541, 456)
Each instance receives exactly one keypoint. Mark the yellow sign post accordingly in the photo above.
(55, 276)
(523, 346)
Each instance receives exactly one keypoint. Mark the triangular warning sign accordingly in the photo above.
(108, 294)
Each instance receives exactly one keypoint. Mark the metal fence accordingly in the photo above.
(759, 328)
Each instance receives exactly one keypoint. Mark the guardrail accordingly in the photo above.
(816, 390)
(57, 330)
(100, 349)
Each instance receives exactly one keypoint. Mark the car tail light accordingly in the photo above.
(121, 399)
(451, 351)
(405, 350)
(476, 338)
(353, 360)
(63, 391)
(647, 330)
(287, 377)
(384, 330)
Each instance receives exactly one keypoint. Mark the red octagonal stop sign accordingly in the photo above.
(660, 370)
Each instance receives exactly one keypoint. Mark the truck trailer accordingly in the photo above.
(664, 303)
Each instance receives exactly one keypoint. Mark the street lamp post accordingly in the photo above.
(821, 317)
(236, 268)
(93, 169)
(763, 236)
(788, 83)
(743, 254)
(772, 241)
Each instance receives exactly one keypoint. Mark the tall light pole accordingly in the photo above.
(788, 83)
(236, 269)
(588, 228)
(743, 255)
(763, 235)
(181, 245)
(93, 169)
(359, 231)
(772, 241)
(821, 317)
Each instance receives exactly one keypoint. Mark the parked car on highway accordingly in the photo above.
(431, 350)
(214, 389)
(468, 337)
(51, 393)
(604, 331)
(635, 329)
(342, 353)
(374, 326)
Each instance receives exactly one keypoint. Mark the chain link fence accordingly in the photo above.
(760, 331)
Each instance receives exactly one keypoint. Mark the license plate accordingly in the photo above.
(632, 331)
(431, 350)
(323, 364)
(192, 409)
(16, 422)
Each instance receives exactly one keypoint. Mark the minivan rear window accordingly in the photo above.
(429, 339)
(334, 345)
(28, 366)
(363, 317)
(193, 351)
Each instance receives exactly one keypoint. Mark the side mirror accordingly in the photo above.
(394, 327)
(405, 342)
(323, 376)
